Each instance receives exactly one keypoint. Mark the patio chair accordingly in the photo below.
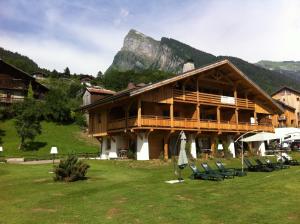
(289, 161)
(277, 164)
(209, 170)
(269, 165)
(236, 172)
(203, 176)
(256, 167)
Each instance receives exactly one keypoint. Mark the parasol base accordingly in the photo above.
(174, 181)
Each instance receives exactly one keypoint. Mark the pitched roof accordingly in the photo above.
(20, 72)
(285, 105)
(100, 91)
(190, 73)
(285, 87)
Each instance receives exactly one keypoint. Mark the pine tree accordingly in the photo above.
(30, 94)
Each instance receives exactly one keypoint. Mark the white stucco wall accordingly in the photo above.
(142, 152)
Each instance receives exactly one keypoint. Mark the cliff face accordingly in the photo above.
(141, 52)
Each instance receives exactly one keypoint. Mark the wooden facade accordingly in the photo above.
(212, 102)
(14, 84)
(286, 119)
(289, 97)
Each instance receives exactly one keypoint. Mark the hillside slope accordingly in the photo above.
(67, 138)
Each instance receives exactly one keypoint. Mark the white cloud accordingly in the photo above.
(252, 30)
(87, 40)
(52, 54)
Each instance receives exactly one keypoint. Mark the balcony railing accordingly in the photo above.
(189, 96)
(186, 123)
(11, 99)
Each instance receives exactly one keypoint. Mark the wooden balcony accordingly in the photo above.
(211, 99)
(187, 124)
(9, 100)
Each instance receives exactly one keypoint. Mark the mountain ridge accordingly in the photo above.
(142, 52)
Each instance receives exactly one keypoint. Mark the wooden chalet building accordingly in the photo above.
(14, 84)
(290, 97)
(286, 119)
(92, 94)
(212, 104)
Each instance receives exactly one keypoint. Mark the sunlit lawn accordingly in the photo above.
(68, 139)
(135, 192)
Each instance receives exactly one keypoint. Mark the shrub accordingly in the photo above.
(71, 169)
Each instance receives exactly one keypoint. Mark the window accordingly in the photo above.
(297, 98)
(166, 113)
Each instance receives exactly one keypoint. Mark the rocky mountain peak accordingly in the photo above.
(140, 44)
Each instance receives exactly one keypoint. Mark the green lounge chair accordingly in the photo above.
(236, 172)
(203, 176)
(277, 164)
(262, 164)
(209, 170)
(289, 161)
(256, 167)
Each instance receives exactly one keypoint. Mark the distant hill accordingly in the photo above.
(140, 52)
(293, 66)
(289, 69)
(20, 61)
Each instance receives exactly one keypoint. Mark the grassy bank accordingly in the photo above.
(135, 192)
(68, 138)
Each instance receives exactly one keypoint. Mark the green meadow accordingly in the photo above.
(135, 192)
(68, 139)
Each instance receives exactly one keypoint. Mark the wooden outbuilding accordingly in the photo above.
(14, 84)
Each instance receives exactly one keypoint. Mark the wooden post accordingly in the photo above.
(183, 92)
(213, 144)
(139, 112)
(166, 146)
(235, 96)
(198, 115)
(126, 117)
(255, 117)
(197, 90)
(246, 96)
(172, 114)
(218, 117)
(237, 118)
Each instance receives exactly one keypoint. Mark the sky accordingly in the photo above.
(85, 35)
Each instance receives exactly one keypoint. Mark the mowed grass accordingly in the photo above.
(135, 192)
(68, 139)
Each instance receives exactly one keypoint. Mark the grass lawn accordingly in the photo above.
(68, 138)
(135, 192)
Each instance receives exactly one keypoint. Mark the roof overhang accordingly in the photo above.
(137, 91)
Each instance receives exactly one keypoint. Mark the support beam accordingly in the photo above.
(139, 117)
(213, 144)
(235, 95)
(166, 146)
(198, 115)
(172, 114)
(237, 117)
(218, 117)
